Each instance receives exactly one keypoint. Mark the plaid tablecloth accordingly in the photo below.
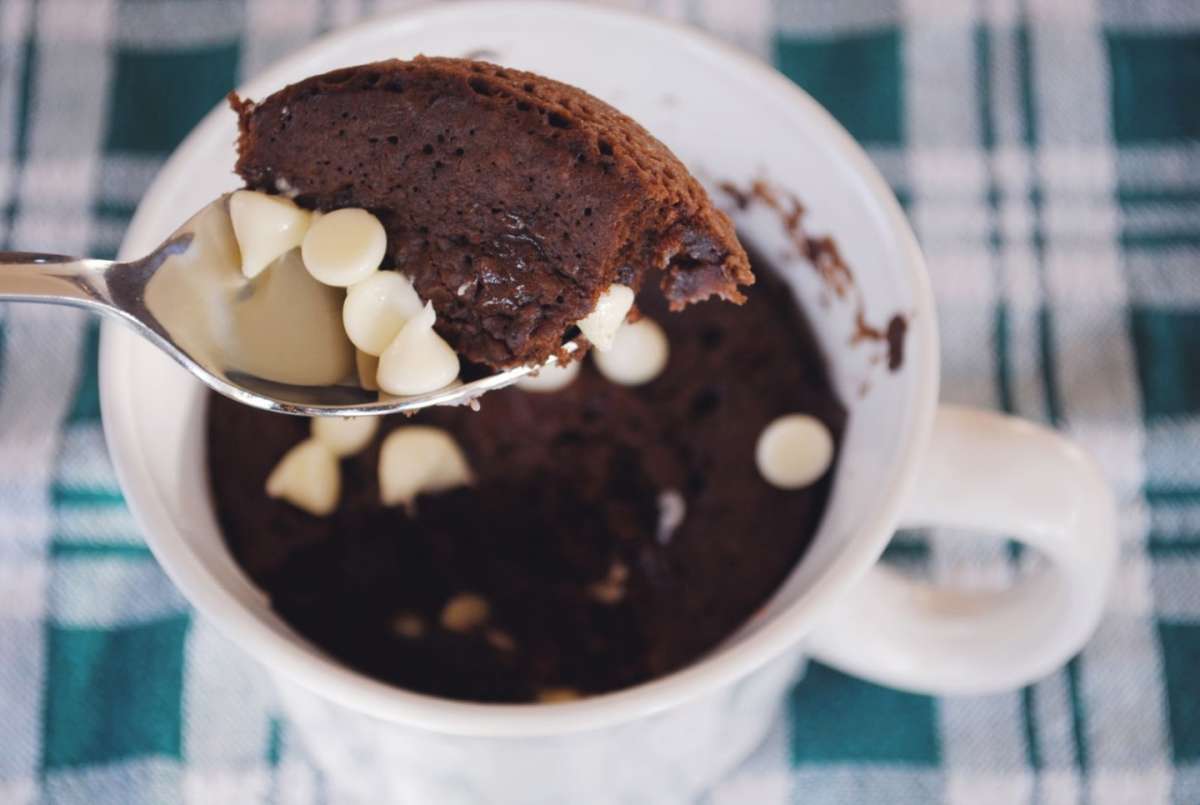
(1048, 152)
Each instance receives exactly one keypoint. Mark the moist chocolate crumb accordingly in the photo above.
(896, 330)
(562, 534)
(528, 195)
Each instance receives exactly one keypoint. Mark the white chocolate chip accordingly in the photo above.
(465, 612)
(549, 379)
(409, 625)
(611, 589)
(605, 593)
(418, 359)
(419, 459)
(793, 451)
(308, 477)
(368, 367)
(638, 354)
(344, 436)
(344, 247)
(500, 640)
(672, 508)
(377, 308)
(557, 695)
(601, 325)
(266, 228)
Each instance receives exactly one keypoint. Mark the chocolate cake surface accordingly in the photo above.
(513, 201)
(617, 533)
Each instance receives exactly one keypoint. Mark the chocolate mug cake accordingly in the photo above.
(600, 524)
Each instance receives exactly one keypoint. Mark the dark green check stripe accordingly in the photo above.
(1162, 547)
(1149, 241)
(909, 553)
(114, 210)
(114, 694)
(1033, 750)
(1155, 76)
(25, 90)
(275, 742)
(1045, 316)
(153, 77)
(830, 714)
(1078, 716)
(1166, 345)
(1172, 495)
(857, 76)
(99, 550)
(1131, 197)
(1180, 658)
(1000, 323)
(68, 496)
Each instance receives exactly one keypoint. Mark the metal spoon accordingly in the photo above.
(183, 301)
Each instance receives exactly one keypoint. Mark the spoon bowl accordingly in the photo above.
(273, 342)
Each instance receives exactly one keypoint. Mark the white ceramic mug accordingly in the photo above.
(904, 460)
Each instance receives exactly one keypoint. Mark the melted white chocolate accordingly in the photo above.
(282, 326)
(295, 326)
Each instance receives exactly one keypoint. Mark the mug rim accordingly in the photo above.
(325, 675)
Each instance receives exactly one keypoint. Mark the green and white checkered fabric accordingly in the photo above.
(1048, 153)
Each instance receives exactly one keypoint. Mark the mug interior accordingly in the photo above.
(729, 119)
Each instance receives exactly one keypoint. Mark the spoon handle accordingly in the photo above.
(53, 278)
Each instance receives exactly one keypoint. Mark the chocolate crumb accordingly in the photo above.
(740, 198)
(465, 612)
(896, 330)
(823, 254)
(409, 625)
(500, 640)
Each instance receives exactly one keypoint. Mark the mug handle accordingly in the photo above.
(984, 470)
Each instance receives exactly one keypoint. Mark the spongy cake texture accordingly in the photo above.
(512, 200)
